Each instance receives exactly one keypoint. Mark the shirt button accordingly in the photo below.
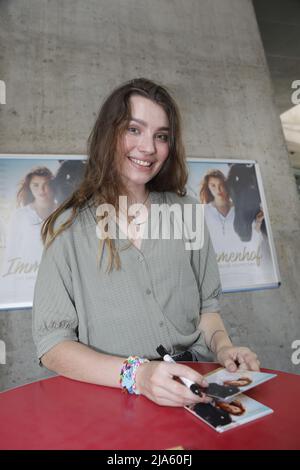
(161, 323)
(148, 291)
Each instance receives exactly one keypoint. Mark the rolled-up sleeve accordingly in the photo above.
(54, 314)
(209, 277)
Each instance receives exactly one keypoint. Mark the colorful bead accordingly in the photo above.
(128, 373)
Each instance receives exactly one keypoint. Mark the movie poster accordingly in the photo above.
(237, 218)
(31, 188)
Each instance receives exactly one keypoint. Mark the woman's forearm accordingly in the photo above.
(79, 362)
(215, 334)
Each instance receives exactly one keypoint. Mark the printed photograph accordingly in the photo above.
(244, 379)
(241, 411)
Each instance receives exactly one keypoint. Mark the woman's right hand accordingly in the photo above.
(156, 381)
(259, 220)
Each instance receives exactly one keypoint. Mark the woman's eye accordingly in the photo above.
(163, 137)
(133, 130)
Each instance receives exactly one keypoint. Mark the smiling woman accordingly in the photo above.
(100, 319)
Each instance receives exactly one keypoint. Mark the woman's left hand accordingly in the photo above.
(236, 358)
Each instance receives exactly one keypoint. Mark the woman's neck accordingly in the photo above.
(222, 205)
(137, 195)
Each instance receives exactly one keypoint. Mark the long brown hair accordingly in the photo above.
(205, 193)
(102, 182)
(24, 195)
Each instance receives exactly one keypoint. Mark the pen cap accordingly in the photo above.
(162, 351)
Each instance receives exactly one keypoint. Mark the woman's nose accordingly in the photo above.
(146, 144)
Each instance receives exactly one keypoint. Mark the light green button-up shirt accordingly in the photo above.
(157, 296)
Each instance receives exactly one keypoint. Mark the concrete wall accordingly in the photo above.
(60, 58)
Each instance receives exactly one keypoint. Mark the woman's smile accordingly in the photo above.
(139, 163)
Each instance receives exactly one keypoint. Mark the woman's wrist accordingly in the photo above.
(221, 349)
(139, 377)
(128, 374)
(219, 340)
(258, 226)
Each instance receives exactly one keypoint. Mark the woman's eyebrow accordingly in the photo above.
(140, 121)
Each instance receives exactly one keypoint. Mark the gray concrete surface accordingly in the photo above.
(279, 24)
(60, 58)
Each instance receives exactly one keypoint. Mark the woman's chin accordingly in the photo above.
(136, 180)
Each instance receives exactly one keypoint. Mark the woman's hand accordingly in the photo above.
(238, 358)
(259, 220)
(156, 381)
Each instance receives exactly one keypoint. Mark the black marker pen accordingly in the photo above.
(196, 389)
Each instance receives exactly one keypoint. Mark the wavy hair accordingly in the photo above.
(205, 193)
(102, 182)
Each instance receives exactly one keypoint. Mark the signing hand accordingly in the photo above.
(230, 356)
(156, 381)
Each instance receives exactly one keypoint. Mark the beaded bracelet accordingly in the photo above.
(128, 373)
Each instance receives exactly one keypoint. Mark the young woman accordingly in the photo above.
(219, 208)
(23, 241)
(234, 408)
(102, 307)
(237, 259)
(35, 201)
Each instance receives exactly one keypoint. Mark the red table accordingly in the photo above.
(59, 413)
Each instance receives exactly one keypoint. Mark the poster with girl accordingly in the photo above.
(31, 188)
(237, 218)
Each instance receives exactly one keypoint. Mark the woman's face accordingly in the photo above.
(233, 408)
(241, 382)
(144, 146)
(217, 188)
(41, 190)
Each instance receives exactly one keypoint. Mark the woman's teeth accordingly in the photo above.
(140, 162)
